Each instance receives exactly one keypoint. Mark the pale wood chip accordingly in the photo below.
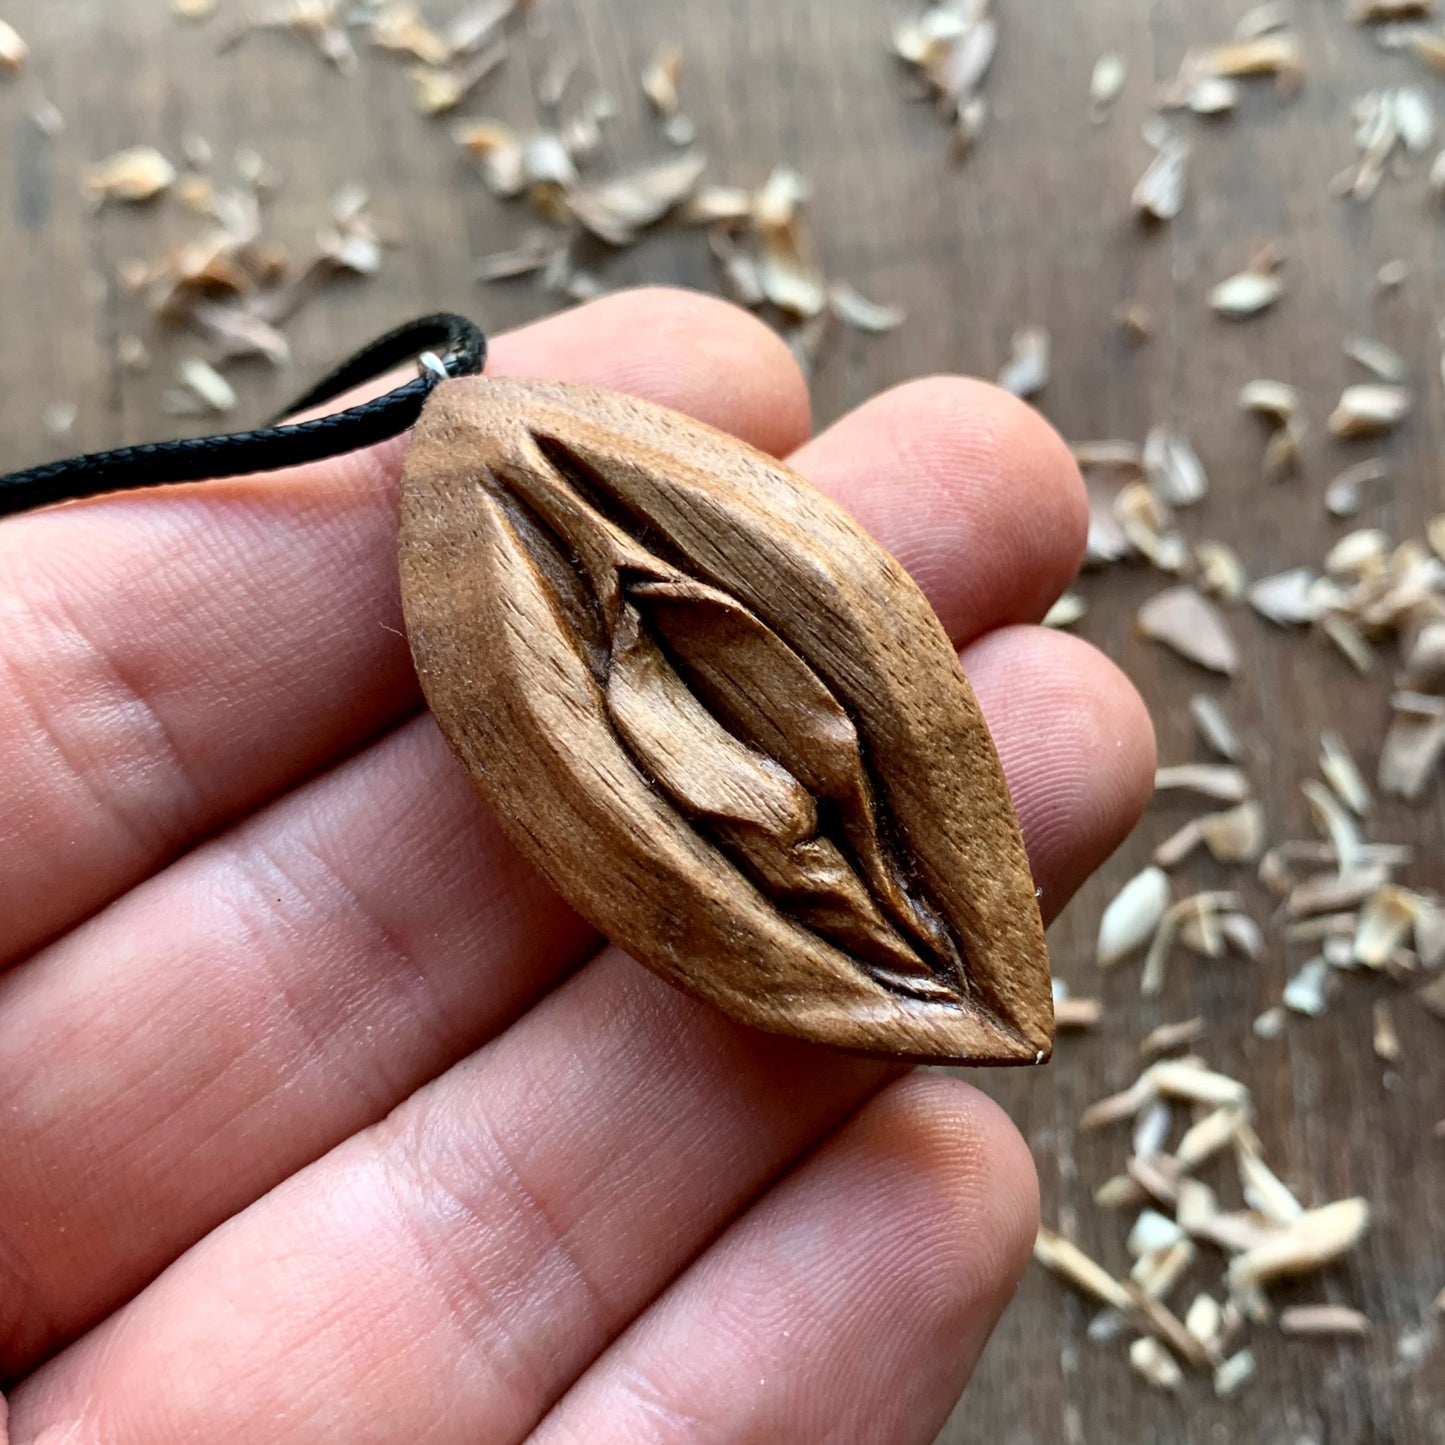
(1314, 1240)
(1132, 917)
(14, 52)
(661, 78)
(1288, 599)
(616, 210)
(1151, 1360)
(1173, 467)
(1165, 1038)
(1214, 726)
(1205, 1321)
(1276, 401)
(1183, 620)
(131, 176)
(1159, 194)
(1069, 609)
(1026, 372)
(1370, 409)
(1064, 1258)
(1306, 992)
(1210, 1134)
(1247, 294)
(1324, 1321)
(1157, 1272)
(1265, 18)
(1383, 362)
(854, 309)
(1106, 84)
(1346, 495)
(1236, 835)
(1214, 780)
(1233, 1374)
(207, 385)
(526, 258)
(1413, 746)
(1384, 1037)
(1386, 921)
(1350, 641)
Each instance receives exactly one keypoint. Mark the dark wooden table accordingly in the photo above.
(1035, 227)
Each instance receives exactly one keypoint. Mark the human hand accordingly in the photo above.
(323, 1120)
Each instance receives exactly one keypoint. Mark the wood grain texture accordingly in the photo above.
(1035, 227)
(723, 721)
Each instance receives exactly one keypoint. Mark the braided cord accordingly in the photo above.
(460, 350)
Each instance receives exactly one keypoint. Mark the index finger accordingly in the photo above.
(173, 660)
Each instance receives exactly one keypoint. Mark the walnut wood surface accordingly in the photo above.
(1033, 228)
(722, 720)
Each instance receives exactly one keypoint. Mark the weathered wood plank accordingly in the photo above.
(1033, 228)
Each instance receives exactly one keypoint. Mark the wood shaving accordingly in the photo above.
(1159, 195)
(1381, 361)
(616, 210)
(1221, 573)
(1342, 774)
(950, 47)
(1264, 19)
(1213, 780)
(1274, 400)
(1173, 467)
(498, 152)
(1065, 1259)
(1151, 1360)
(1190, 625)
(1132, 917)
(1307, 991)
(1074, 1015)
(1370, 410)
(854, 309)
(207, 385)
(1106, 84)
(524, 259)
(1213, 725)
(1324, 1321)
(1233, 1374)
(661, 78)
(130, 176)
(1317, 1238)
(1069, 609)
(1235, 836)
(401, 30)
(1413, 745)
(438, 90)
(14, 52)
(1287, 599)
(1247, 294)
(1346, 495)
(1392, 275)
(1136, 321)
(1384, 1038)
(1165, 1038)
(1026, 373)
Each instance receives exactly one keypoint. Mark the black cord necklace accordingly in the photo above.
(448, 345)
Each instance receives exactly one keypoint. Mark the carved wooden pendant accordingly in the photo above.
(722, 720)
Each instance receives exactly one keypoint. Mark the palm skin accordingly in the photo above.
(324, 1120)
